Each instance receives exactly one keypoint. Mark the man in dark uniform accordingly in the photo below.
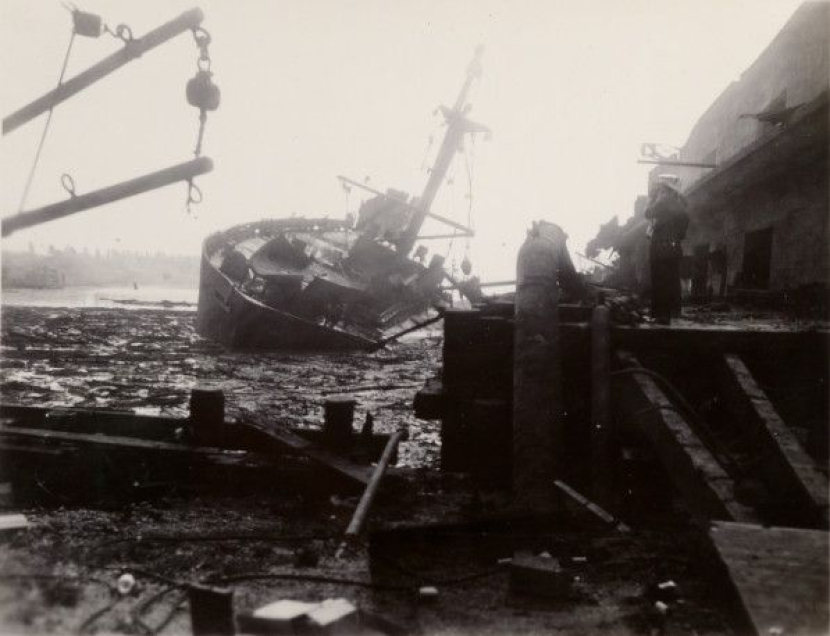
(667, 209)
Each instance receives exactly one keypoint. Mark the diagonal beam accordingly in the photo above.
(706, 487)
(131, 50)
(787, 468)
(81, 202)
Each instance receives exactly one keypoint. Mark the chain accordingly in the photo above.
(203, 63)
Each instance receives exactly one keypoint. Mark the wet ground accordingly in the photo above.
(60, 575)
(148, 360)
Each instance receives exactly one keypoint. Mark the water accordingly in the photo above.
(183, 298)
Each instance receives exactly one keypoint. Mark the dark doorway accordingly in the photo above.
(757, 256)
(700, 270)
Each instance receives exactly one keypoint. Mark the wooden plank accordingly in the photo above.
(114, 442)
(13, 521)
(788, 469)
(693, 469)
(779, 574)
(591, 507)
(286, 439)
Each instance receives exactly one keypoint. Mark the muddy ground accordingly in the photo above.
(59, 576)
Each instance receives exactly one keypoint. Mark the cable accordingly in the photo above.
(703, 428)
(310, 578)
(96, 615)
(59, 577)
(45, 130)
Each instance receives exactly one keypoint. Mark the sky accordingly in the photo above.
(316, 88)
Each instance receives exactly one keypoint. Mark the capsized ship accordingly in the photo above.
(297, 283)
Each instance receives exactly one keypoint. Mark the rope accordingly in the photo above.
(45, 129)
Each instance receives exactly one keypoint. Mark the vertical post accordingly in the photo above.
(338, 418)
(537, 383)
(207, 415)
(602, 437)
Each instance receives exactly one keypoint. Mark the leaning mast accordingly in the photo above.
(457, 126)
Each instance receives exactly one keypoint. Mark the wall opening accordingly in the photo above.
(755, 272)
(700, 270)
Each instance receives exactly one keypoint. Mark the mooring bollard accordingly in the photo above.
(207, 415)
(338, 419)
(537, 384)
(211, 611)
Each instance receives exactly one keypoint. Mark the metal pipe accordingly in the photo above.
(361, 513)
(131, 50)
(672, 162)
(180, 172)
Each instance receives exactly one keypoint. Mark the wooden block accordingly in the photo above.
(779, 574)
(538, 576)
(13, 521)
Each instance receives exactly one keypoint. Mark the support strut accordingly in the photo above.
(180, 172)
(131, 50)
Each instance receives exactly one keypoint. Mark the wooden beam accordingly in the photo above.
(81, 202)
(780, 576)
(287, 440)
(693, 469)
(591, 507)
(719, 340)
(131, 50)
(112, 441)
(787, 468)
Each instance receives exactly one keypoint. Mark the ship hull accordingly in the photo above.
(227, 315)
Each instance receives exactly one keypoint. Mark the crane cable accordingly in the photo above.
(45, 132)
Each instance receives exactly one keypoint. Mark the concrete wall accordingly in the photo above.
(795, 206)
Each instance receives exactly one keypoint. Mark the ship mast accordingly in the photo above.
(457, 126)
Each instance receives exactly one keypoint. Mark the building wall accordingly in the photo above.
(794, 207)
(791, 71)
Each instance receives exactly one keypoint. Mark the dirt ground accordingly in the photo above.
(60, 575)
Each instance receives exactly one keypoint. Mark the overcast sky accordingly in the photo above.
(316, 88)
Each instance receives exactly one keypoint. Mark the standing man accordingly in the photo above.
(667, 210)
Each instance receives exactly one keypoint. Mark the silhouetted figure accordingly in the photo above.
(667, 209)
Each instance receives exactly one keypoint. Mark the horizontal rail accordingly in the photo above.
(468, 231)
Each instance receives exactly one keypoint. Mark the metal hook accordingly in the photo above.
(68, 184)
(202, 37)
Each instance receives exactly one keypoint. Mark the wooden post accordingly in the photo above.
(211, 611)
(361, 513)
(81, 202)
(537, 383)
(131, 50)
(207, 415)
(602, 437)
(338, 419)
